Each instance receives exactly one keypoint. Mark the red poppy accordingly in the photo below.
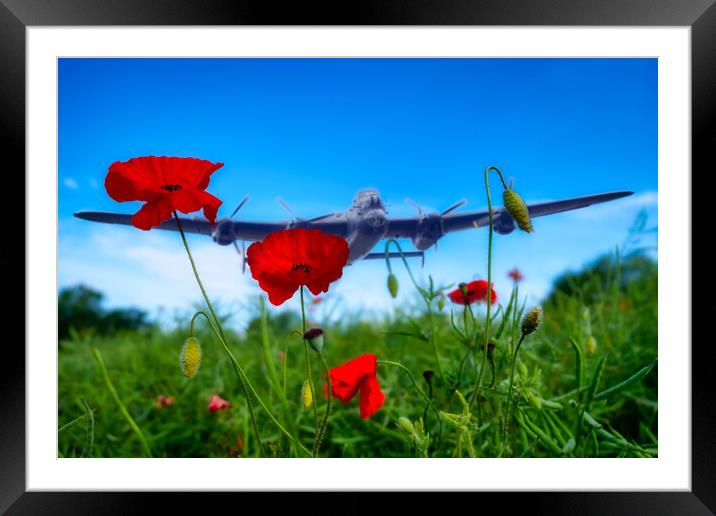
(162, 401)
(289, 258)
(166, 183)
(216, 404)
(475, 291)
(516, 275)
(358, 375)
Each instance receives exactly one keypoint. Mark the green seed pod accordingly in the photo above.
(406, 425)
(190, 357)
(533, 400)
(517, 209)
(522, 368)
(591, 345)
(532, 321)
(393, 285)
(307, 395)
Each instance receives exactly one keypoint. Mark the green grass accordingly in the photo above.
(585, 382)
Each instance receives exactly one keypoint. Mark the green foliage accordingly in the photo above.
(80, 310)
(568, 399)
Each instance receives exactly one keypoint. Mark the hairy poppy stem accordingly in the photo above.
(220, 334)
(489, 283)
(308, 365)
(324, 425)
(428, 300)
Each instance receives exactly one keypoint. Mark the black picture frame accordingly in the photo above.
(17, 15)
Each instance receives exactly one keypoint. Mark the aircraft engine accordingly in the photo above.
(224, 232)
(429, 230)
(503, 224)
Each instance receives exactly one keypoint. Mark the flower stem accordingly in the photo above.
(324, 425)
(110, 387)
(220, 333)
(242, 375)
(417, 386)
(308, 365)
(489, 282)
(426, 298)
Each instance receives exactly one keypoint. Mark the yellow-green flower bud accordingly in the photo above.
(190, 357)
(532, 321)
(522, 368)
(393, 285)
(306, 395)
(406, 425)
(517, 209)
(591, 345)
(441, 303)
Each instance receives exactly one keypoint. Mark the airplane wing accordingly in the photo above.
(406, 227)
(249, 231)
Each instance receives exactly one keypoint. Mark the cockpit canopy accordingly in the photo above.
(368, 199)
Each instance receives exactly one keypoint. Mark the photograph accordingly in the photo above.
(357, 257)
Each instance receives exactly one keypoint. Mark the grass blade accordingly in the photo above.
(636, 377)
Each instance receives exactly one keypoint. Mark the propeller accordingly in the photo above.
(430, 224)
(296, 218)
(241, 251)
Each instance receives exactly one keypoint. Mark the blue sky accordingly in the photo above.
(314, 131)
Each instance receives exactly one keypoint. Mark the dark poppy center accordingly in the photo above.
(170, 188)
(301, 266)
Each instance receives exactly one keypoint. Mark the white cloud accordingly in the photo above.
(70, 183)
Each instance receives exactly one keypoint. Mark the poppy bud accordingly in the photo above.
(428, 375)
(441, 303)
(591, 345)
(307, 395)
(314, 336)
(393, 285)
(532, 321)
(190, 357)
(406, 425)
(517, 209)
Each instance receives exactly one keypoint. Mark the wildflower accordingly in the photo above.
(358, 375)
(290, 258)
(475, 291)
(190, 357)
(314, 336)
(393, 285)
(216, 404)
(166, 184)
(517, 209)
(162, 401)
(316, 300)
(282, 355)
(516, 275)
(532, 321)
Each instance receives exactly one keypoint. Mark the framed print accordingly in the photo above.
(225, 290)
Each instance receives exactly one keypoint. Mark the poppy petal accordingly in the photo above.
(371, 397)
(346, 379)
(152, 214)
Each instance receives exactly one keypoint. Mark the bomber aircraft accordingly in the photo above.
(364, 223)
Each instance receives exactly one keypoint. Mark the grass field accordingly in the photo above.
(585, 383)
